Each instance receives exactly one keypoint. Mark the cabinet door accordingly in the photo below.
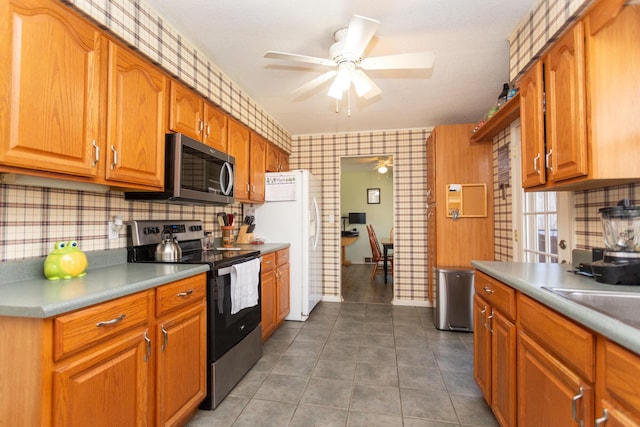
(482, 347)
(503, 369)
(284, 162)
(238, 147)
(135, 120)
(256, 168)
(106, 387)
(268, 296)
(548, 392)
(431, 250)
(185, 111)
(215, 128)
(272, 159)
(283, 291)
(566, 133)
(50, 92)
(181, 364)
(532, 127)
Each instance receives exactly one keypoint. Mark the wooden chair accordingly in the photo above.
(376, 254)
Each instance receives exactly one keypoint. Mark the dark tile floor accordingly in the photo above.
(358, 364)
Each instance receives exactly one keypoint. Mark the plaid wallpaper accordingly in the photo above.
(321, 154)
(502, 197)
(538, 29)
(33, 219)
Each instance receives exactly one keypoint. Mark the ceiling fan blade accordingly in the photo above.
(314, 83)
(374, 91)
(299, 58)
(359, 34)
(403, 61)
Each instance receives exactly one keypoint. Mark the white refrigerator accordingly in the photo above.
(291, 214)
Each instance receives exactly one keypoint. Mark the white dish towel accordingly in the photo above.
(245, 278)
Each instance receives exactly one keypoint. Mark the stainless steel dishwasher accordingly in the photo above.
(454, 299)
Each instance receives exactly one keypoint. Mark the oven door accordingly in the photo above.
(228, 329)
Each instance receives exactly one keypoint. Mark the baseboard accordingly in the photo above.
(410, 302)
(332, 298)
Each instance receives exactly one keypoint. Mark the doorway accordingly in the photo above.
(366, 198)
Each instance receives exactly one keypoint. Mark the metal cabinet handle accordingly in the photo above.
(115, 157)
(200, 125)
(547, 159)
(484, 318)
(489, 322)
(112, 321)
(574, 406)
(488, 290)
(165, 338)
(96, 149)
(208, 130)
(185, 293)
(535, 164)
(603, 419)
(148, 340)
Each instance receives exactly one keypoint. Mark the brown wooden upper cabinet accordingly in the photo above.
(191, 115)
(578, 115)
(58, 72)
(238, 147)
(277, 160)
(257, 160)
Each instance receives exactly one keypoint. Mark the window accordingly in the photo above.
(540, 227)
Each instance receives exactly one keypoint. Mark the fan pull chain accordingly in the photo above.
(349, 101)
(337, 107)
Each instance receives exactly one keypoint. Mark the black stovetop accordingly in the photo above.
(212, 257)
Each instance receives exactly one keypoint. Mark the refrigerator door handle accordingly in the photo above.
(316, 223)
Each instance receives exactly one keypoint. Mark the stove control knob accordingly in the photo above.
(195, 228)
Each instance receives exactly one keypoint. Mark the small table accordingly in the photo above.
(346, 241)
(386, 245)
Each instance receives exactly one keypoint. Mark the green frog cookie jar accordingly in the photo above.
(66, 261)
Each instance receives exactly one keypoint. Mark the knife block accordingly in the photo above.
(243, 236)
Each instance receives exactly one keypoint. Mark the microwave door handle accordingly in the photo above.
(226, 188)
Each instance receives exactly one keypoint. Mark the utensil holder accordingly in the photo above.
(227, 236)
(243, 236)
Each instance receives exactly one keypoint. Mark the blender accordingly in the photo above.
(621, 262)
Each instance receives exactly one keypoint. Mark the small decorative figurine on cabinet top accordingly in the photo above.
(66, 261)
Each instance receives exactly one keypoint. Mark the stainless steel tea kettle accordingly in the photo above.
(168, 249)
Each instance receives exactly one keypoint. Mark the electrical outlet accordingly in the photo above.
(113, 234)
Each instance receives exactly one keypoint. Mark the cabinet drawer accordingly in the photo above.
(268, 262)
(619, 374)
(282, 256)
(81, 329)
(500, 296)
(180, 293)
(561, 336)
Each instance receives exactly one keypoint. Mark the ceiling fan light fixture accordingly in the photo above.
(362, 86)
(382, 169)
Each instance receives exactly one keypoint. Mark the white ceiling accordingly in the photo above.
(468, 37)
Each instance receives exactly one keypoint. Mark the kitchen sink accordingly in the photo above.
(620, 305)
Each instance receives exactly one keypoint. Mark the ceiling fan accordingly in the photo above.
(345, 56)
(383, 165)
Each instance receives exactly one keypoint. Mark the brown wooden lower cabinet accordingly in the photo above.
(549, 393)
(274, 277)
(618, 385)
(495, 347)
(104, 365)
(536, 367)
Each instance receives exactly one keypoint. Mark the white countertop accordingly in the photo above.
(529, 278)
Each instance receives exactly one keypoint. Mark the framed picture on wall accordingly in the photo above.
(373, 196)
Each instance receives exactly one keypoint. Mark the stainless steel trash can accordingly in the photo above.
(454, 299)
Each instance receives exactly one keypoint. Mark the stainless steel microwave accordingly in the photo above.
(193, 173)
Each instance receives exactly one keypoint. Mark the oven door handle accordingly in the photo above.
(224, 271)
